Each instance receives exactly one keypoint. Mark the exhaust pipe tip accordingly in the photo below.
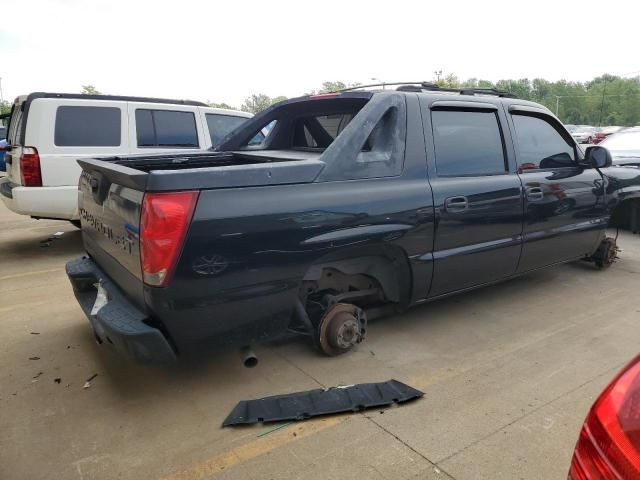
(249, 358)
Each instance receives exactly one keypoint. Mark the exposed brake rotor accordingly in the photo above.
(341, 327)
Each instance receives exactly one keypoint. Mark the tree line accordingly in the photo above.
(605, 100)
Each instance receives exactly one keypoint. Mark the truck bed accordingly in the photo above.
(156, 173)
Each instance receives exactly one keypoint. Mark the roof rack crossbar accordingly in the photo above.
(432, 87)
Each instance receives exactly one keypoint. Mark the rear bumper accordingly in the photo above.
(43, 202)
(119, 324)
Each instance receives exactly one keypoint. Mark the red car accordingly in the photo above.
(609, 443)
(604, 133)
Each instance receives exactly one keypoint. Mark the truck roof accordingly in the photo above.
(490, 95)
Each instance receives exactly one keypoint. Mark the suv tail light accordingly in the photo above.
(30, 167)
(164, 222)
(609, 443)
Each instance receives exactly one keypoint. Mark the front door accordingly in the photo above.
(565, 211)
(477, 197)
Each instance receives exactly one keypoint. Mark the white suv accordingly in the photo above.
(48, 132)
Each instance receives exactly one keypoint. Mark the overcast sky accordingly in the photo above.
(225, 50)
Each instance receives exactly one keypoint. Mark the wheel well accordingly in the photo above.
(384, 267)
(626, 215)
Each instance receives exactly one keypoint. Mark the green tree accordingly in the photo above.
(259, 102)
(5, 107)
(221, 105)
(89, 90)
(605, 100)
(278, 99)
(328, 87)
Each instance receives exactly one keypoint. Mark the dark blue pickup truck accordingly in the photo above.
(355, 204)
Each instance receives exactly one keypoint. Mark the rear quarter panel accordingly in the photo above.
(241, 268)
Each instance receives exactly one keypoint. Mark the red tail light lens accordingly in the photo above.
(30, 167)
(322, 96)
(609, 443)
(164, 222)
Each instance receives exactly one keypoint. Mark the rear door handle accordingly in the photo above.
(456, 204)
(534, 194)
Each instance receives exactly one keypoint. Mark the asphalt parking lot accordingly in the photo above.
(508, 372)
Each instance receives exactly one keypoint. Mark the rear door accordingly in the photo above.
(477, 195)
(565, 211)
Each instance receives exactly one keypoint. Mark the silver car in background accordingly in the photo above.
(583, 133)
(624, 146)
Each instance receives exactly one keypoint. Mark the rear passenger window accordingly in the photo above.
(166, 128)
(540, 145)
(467, 143)
(87, 127)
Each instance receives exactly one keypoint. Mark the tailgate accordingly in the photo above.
(110, 199)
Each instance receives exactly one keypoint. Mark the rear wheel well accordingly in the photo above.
(626, 215)
(385, 268)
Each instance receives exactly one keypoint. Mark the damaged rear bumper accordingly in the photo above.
(119, 324)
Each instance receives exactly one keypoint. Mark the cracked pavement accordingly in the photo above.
(509, 373)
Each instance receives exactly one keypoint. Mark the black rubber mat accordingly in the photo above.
(302, 405)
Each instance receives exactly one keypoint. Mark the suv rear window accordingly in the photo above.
(222, 125)
(87, 127)
(166, 128)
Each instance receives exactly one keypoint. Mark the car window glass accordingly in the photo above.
(166, 128)
(175, 129)
(467, 143)
(15, 124)
(144, 129)
(87, 126)
(221, 125)
(319, 131)
(259, 138)
(540, 145)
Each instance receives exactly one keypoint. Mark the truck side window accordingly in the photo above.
(87, 127)
(166, 128)
(540, 145)
(467, 143)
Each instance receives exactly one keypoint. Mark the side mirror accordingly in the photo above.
(598, 157)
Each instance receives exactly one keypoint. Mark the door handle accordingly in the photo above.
(534, 194)
(456, 204)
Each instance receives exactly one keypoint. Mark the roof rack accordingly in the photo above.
(432, 87)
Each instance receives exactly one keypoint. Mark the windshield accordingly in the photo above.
(623, 141)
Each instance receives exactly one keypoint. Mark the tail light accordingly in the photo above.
(164, 222)
(30, 167)
(322, 96)
(609, 443)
